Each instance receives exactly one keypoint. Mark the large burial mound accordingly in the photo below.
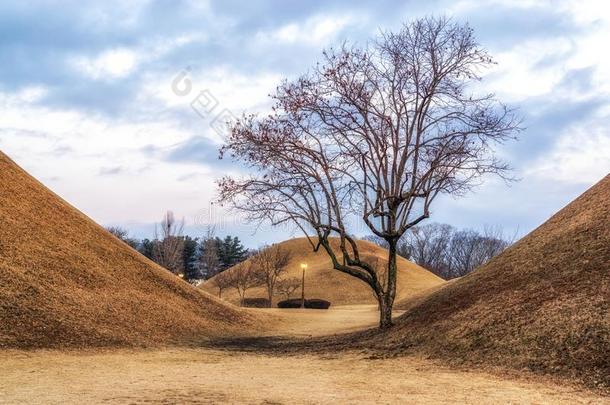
(542, 305)
(321, 281)
(66, 282)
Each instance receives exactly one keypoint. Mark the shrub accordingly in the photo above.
(291, 303)
(256, 302)
(313, 303)
(316, 303)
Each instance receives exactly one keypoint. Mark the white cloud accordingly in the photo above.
(317, 30)
(28, 94)
(580, 156)
(110, 64)
(225, 88)
(517, 76)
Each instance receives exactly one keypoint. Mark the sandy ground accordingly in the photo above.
(204, 375)
(303, 323)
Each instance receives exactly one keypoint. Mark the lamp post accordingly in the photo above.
(303, 267)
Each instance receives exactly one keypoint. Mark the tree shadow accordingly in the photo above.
(290, 345)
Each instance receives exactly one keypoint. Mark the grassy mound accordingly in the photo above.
(542, 305)
(66, 282)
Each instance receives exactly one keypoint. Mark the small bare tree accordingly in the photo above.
(287, 286)
(373, 133)
(222, 281)
(169, 243)
(270, 263)
(243, 277)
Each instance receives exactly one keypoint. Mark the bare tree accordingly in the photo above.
(222, 281)
(123, 234)
(209, 263)
(243, 277)
(287, 286)
(448, 252)
(168, 247)
(270, 263)
(379, 241)
(493, 243)
(428, 246)
(373, 133)
(470, 250)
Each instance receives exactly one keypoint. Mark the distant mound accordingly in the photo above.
(66, 282)
(321, 281)
(542, 305)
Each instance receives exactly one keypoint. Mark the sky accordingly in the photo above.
(116, 105)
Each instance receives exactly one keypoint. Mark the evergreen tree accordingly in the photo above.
(146, 247)
(230, 252)
(190, 258)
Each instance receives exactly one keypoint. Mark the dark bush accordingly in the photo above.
(316, 303)
(291, 303)
(256, 302)
(313, 303)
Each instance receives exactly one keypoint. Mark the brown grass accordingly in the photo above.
(66, 282)
(321, 281)
(203, 376)
(543, 305)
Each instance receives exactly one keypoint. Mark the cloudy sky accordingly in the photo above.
(112, 104)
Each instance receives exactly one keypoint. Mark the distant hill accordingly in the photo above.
(65, 281)
(321, 281)
(542, 305)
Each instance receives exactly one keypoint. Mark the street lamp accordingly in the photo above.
(303, 267)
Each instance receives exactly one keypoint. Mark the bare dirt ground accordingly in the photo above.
(208, 375)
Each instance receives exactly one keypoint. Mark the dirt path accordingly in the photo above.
(206, 375)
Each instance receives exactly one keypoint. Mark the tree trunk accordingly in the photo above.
(385, 313)
(386, 301)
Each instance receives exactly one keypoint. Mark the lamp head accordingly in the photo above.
(303, 266)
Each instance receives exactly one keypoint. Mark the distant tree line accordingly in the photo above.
(441, 248)
(447, 251)
(194, 258)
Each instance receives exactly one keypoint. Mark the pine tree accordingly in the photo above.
(146, 247)
(237, 252)
(190, 258)
(230, 252)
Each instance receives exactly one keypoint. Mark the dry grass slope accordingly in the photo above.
(543, 305)
(66, 282)
(321, 281)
